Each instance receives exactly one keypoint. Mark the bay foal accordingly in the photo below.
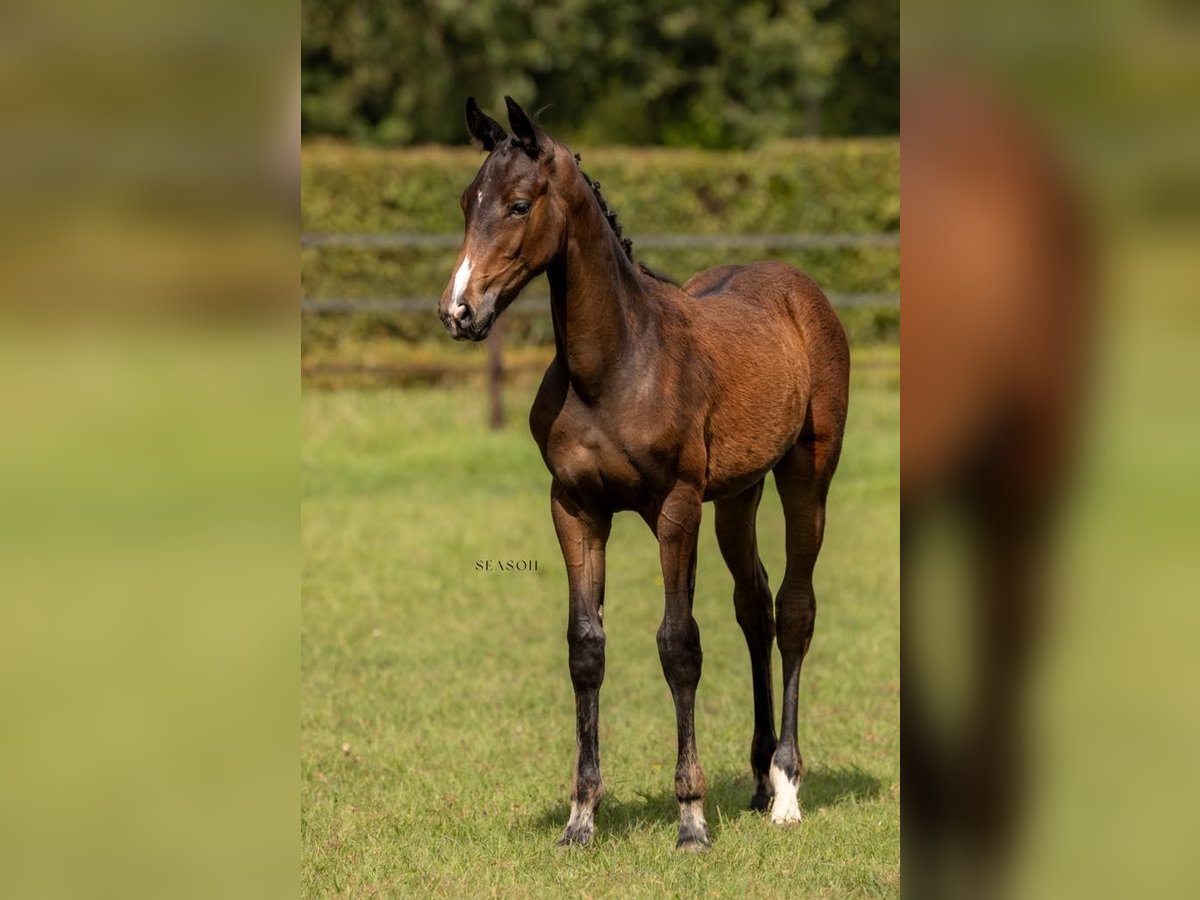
(658, 399)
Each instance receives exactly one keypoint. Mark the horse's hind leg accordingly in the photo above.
(802, 477)
(735, 520)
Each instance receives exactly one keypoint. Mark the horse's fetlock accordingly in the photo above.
(589, 792)
(690, 785)
(787, 760)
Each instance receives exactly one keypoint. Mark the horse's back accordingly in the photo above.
(770, 295)
(768, 288)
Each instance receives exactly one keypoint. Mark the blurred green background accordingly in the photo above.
(723, 74)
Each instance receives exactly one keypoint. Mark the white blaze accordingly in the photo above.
(461, 277)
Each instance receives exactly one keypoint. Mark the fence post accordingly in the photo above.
(495, 377)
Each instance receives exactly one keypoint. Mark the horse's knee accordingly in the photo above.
(680, 653)
(585, 641)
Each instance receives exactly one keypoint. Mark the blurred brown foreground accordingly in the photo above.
(1050, 451)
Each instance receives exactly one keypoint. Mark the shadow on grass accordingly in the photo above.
(728, 798)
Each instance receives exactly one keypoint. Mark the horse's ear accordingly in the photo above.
(523, 129)
(483, 127)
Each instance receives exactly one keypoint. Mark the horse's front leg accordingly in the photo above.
(582, 536)
(677, 527)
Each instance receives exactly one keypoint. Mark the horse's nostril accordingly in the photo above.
(461, 313)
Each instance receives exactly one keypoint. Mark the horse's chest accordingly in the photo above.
(590, 462)
(621, 453)
(604, 462)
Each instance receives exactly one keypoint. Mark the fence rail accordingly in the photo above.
(495, 364)
(331, 305)
(408, 239)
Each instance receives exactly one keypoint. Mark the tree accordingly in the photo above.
(635, 71)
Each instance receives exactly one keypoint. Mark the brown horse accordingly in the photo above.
(659, 398)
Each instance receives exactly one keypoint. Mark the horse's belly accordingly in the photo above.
(755, 421)
(734, 465)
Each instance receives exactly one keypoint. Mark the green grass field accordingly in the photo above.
(437, 720)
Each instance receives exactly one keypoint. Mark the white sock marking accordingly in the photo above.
(461, 277)
(786, 807)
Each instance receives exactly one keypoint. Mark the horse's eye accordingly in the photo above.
(519, 208)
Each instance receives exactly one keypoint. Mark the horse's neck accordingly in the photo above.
(597, 301)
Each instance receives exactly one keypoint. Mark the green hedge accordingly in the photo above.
(849, 186)
(792, 186)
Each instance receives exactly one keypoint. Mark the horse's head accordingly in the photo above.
(515, 222)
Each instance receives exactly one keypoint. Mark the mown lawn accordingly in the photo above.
(436, 708)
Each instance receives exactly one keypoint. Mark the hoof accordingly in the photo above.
(576, 836)
(761, 801)
(580, 826)
(785, 808)
(693, 839)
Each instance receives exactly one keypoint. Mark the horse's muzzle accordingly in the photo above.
(471, 327)
(471, 324)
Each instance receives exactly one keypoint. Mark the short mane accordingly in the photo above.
(611, 216)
